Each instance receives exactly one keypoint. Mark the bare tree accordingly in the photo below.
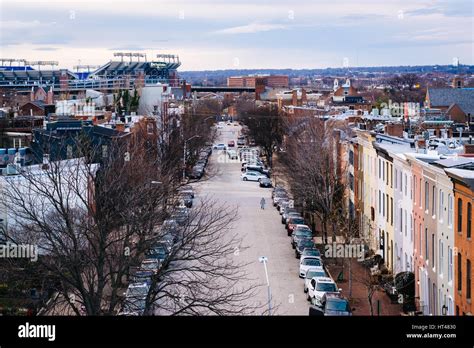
(265, 126)
(315, 175)
(93, 222)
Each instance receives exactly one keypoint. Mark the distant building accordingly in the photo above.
(272, 81)
(456, 102)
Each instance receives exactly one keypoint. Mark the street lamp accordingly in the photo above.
(264, 260)
(184, 154)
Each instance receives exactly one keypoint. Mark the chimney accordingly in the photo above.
(458, 82)
(469, 148)
(394, 129)
(304, 99)
(294, 97)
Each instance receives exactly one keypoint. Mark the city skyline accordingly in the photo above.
(214, 35)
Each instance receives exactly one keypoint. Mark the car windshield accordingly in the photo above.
(306, 243)
(137, 291)
(301, 233)
(312, 274)
(311, 262)
(326, 287)
(149, 265)
(312, 252)
(337, 305)
(297, 221)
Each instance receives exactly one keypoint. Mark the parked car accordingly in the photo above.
(286, 212)
(311, 273)
(318, 287)
(307, 263)
(335, 305)
(135, 299)
(279, 197)
(232, 154)
(186, 199)
(150, 265)
(291, 215)
(219, 147)
(159, 252)
(278, 190)
(188, 189)
(252, 176)
(197, 172)
(265, 182)
(240, 142)
(300, 232)
(311, 252)
(303, 244)
(280, 202)
(258, 168)
(231, 143)
(180, 215)
(292, 222)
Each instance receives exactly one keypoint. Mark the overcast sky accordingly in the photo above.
(241, 34)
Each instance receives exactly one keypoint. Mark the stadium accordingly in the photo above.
(125, 71)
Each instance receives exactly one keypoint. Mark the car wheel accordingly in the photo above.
(305, 290)
(296, 254)
(259, 180)
(307, 296)
(293, 245)
(244, 179)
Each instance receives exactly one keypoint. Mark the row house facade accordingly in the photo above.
(409, 202)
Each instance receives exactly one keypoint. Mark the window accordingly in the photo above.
(351, 157)
(411, 188)
(383, 206)
(380, 170)
(406, 219)
(468, 279)
(396, 176)
(391, 211)
(441, 205)
(459, 272)
(380, 203)
(427, 256)
(401, 220)
(427, 196)
(414, 191)
(387, 172)
(433, 256)
(459, 215)
(440, 257)
(412, 227)
(406, 185)
(419, 238)
(450, 210)
(450, 264)
(104, 151)
(388, 205)
(351, 181)
(469, 220)
(433, 203)
(383, 171)
(419, 194)
(391, 175)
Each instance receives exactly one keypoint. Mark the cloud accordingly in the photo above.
(46, 49)
(251, 28)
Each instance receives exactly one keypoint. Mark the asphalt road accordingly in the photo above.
(261, 231)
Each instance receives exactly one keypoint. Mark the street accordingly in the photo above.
(261, 231)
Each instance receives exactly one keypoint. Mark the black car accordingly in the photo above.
(187, 199)
(286, 212)
(332, 305)
(265, 183)
(303, 244)
(278, 189)
(258, 168)
(300, 234)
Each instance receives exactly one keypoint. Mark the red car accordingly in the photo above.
(231, 143)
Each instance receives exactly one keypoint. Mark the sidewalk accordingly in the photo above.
(359, 299)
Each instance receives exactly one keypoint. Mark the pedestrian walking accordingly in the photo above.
(262, 203)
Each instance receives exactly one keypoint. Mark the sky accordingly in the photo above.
(241, 34)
